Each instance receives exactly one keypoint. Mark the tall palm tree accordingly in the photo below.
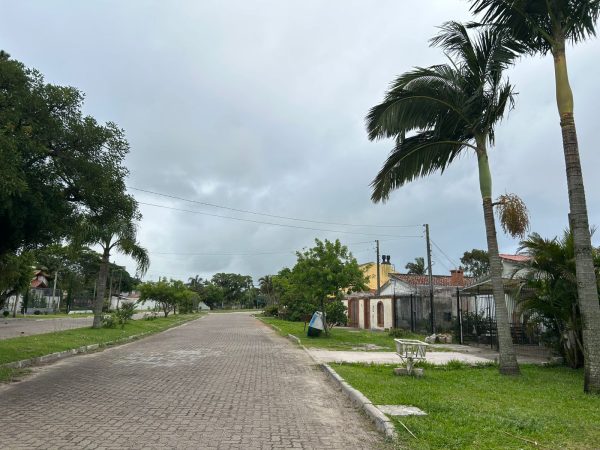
(542, 26)
(266, 286)
(451, 109)
(118, 236)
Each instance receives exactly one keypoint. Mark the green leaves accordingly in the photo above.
(435, 113)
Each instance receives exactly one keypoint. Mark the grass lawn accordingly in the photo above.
(477, 408)
(339, 338)
(25, 347)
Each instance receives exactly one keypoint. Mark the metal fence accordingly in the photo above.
(471, 318)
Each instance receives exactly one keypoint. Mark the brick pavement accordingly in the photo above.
(222, 382)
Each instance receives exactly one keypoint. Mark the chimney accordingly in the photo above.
(457, 277)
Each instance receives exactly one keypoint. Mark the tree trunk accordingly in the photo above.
(507, 358)
(587, 291)
(102, 275)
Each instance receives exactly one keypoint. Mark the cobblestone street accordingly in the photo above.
(225, 381)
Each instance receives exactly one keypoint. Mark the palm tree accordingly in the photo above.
(266, 287)
(121, 236)
(451, 109)
(417, 267)
(542, 26)
(552, 290)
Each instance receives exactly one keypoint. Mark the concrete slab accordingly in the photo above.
(439, 358)
(401, 410)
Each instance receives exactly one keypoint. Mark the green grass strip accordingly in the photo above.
(477, 408)
(339, 338)
(19, 348)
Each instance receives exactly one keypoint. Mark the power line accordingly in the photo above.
(439, 260)
(273, 223)
(443, 253)
(214, 205)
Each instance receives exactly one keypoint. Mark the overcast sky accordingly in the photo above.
(260, 105)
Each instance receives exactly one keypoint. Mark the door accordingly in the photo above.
(367, 314)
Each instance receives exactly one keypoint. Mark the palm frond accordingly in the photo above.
(416, 156)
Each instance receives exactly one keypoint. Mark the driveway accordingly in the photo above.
(221, 382)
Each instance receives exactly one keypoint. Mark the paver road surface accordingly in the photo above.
(222, 382)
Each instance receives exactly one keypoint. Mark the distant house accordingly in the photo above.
(41, 295)
(404, 302)
(480, 291)
(370, 270)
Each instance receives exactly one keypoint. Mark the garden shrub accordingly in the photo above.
(5, 313)
(108, 321)
(124, 314)
(398, 332)
(271, 311)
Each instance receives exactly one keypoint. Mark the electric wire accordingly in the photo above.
(275, 216)
(444, 253)
(275, 224)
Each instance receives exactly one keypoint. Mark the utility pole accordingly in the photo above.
(54, 290)
(378, 277)
(430, 278)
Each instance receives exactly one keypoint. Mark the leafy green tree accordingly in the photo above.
(539, 27)
(234, 286)
(323, 274)
(170, 295)
(451, 109)
(159, 291)
(417, 267)
(16, 272)
(212, 295)
(476, 262)
(55, 163)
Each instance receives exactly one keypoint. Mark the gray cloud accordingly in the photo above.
(260, 106)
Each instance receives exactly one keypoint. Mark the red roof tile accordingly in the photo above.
(515, 258)
(423, 280)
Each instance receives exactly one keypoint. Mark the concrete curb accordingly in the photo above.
(294, 339)
(382, 423)
(53, 357)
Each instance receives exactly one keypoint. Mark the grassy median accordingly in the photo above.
(26, 347)
(477, 408)
(340, 338)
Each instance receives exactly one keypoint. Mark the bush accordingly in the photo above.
(398, 333)
(108, 321)
(124, 314)
(271, 311)
(5, 313)
(37, 312)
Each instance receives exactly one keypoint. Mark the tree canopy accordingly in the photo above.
(55, 162)
(476, 262)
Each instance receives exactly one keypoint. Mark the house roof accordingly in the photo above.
(515, 258)
(37, 283)
(438, 280)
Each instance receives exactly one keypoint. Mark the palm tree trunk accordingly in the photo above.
(587, 291)
(507, 358)
(102, 275)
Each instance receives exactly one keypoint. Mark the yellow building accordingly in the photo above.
(370, 270)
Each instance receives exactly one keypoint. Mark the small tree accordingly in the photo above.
(323, 273)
